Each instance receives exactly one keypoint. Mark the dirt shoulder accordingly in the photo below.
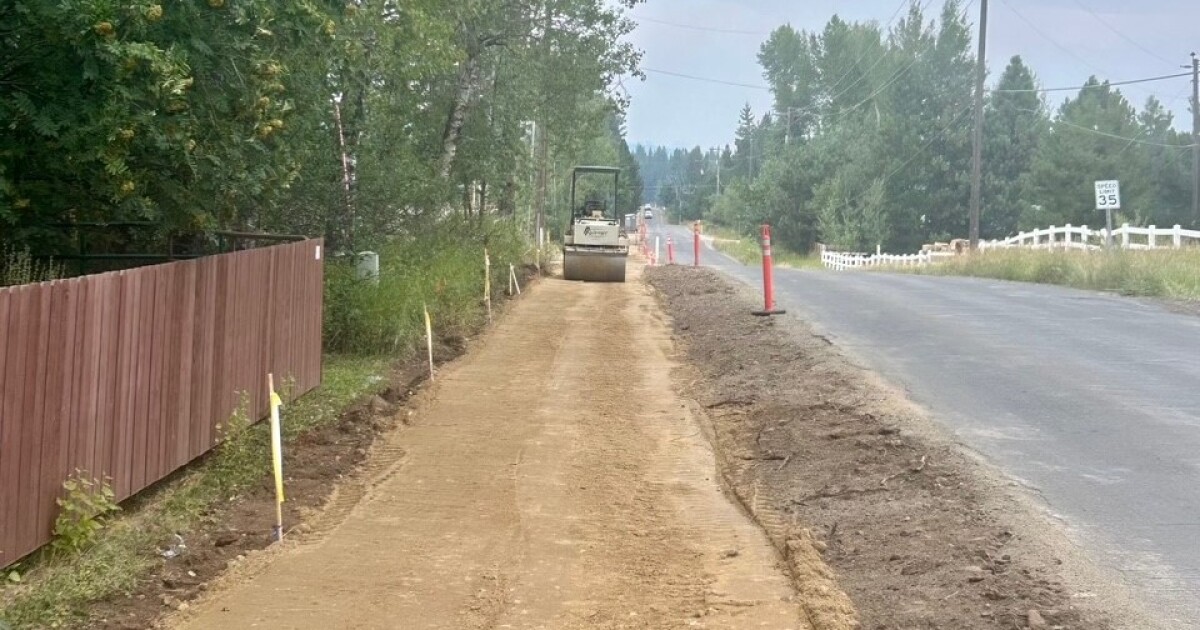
(551, 479)
(836, 465)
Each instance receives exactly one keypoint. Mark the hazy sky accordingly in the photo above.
(1060, 39)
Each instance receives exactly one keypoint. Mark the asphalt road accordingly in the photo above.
(1089, 399)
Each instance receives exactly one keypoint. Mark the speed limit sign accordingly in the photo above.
(1108, 195)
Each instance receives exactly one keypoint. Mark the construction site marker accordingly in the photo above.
(512, 280)
(487, 283)
(276, 455)
(768, 277)
(428, 338)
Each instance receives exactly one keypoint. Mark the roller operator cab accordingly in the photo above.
(595, 245)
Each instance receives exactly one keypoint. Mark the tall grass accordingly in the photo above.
(748, 250)
(56, 589)
(17, 266)
(440, 264)
(1168, 273)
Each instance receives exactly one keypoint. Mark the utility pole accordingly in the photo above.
(1195, 138)
(718, 171)
(977, 139)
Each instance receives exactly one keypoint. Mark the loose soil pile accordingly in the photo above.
(836, 466)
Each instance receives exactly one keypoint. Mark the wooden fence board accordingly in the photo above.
(35, 392)
(14, 373)
(129, 374)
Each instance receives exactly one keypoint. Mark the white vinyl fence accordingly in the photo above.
(841, 261)
(1125, 237)
(1053, 237)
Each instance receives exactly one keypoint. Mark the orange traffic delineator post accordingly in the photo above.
(768, 277)
(670, 251)
(696, 244)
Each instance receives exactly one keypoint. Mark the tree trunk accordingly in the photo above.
(467, 85)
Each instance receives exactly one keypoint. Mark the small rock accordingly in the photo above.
(732, 553)
(379, 405)
(182, 606)
(1034, 620)
(224, 539)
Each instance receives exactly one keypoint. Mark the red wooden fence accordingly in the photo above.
(127, 374)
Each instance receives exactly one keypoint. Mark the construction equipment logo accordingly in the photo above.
(587, 231)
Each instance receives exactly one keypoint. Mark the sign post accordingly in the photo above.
(1108, 198)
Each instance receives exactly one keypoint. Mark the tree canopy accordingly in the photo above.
(342, 118)
(869, 143)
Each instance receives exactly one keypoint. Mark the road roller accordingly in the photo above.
(595, 244)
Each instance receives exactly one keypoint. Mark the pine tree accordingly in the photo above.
(1015, 121)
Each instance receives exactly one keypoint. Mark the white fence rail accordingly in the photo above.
(1125, 237)
(841, 261)
(1053, 237)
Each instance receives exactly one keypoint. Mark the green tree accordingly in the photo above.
(1015, 122)
(1086, 143)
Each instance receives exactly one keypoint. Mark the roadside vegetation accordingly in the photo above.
(53, 589)
(420, 133)
(748, 250)
(1165, 273)
(857, 155)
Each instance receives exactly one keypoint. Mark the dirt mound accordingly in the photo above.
(839, 469)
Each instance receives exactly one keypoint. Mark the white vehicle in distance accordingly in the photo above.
(648, 213)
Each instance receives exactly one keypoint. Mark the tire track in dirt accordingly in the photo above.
(552, 479)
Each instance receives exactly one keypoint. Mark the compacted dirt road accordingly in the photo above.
(550, 479)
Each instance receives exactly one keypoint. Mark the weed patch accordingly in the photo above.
(748, 250)
(1163, 273)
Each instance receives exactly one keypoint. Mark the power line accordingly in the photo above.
(1034, 27)
(693, 27)
(1112, 28)
(1073, 88)
(705, 79)
(1097, 86)
(1163, 135)
(891, 20)
(1114, 136)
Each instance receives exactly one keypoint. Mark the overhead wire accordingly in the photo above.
(1120, 34)
(890, 22)
(1067, 51)
(1071, 88)
(705, 79)
(693, 27)
(1096, 86)
(1060, 121)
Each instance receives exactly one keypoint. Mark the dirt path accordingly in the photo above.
(552, 479)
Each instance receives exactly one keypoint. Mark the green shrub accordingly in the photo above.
(82, 509)
(439, 264)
